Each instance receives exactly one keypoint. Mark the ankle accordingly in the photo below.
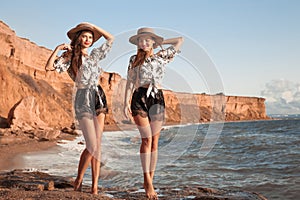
(77, 185)
(94, 191)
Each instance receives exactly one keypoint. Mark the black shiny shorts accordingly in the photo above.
(87, 102)
(151, 107)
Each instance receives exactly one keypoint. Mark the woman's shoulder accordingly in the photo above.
(132, 57)
(131, 60)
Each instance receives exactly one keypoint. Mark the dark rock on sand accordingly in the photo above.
(20, 184)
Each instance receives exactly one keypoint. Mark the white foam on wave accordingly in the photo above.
(120, 153)
(63, 159)
(60, 160)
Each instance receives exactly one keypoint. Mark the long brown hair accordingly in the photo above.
(76, 59)
(140, 57)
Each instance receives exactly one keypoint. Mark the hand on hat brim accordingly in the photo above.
(155, 45)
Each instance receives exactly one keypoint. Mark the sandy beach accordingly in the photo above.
(14, 143)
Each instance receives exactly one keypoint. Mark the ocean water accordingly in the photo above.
(259, 156)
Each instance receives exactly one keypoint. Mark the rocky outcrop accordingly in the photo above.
(245, 108)
(18, 184)
(23, 77)
(25, 114)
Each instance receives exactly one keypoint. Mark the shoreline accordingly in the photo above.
(11, 149)
(11, 155)
(24, 187)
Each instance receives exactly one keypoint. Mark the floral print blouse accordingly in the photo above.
(152, 71)
(90, 70)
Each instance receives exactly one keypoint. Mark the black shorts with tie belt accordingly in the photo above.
(151, 107)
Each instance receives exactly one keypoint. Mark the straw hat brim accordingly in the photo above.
(84, 27)
(134, 39)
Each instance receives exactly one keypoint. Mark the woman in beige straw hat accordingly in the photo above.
(144, 98)
(90, 101)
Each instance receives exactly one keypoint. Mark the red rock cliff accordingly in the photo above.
(48, 96)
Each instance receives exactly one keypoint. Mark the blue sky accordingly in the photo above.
(251, 46)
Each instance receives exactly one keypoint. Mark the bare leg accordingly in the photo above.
(155, 128)
(95, 163)
(91, 132)
(145, 154)
(84, 161)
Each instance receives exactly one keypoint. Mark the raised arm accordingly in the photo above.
(109, 37)
(49, 65)
(176, 42)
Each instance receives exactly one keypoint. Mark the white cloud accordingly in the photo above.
(288, 96)
(282, 97)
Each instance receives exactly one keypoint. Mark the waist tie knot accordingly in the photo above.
(152, 90)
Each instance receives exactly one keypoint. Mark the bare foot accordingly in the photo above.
(77, 185)
(150, 192)
(94, 191)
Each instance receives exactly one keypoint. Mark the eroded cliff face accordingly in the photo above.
(25, 82)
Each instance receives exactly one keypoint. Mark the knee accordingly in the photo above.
(154, 147)
(147, 142)
(85, 154)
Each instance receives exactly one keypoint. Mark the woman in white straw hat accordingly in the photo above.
(144, 98)
(90, 101)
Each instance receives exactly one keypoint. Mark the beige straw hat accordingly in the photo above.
(144, 32)
(84, 26)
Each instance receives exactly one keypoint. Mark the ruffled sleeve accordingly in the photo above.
(168, 54)
(99, 53)
(131, 72)
(62, 63)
